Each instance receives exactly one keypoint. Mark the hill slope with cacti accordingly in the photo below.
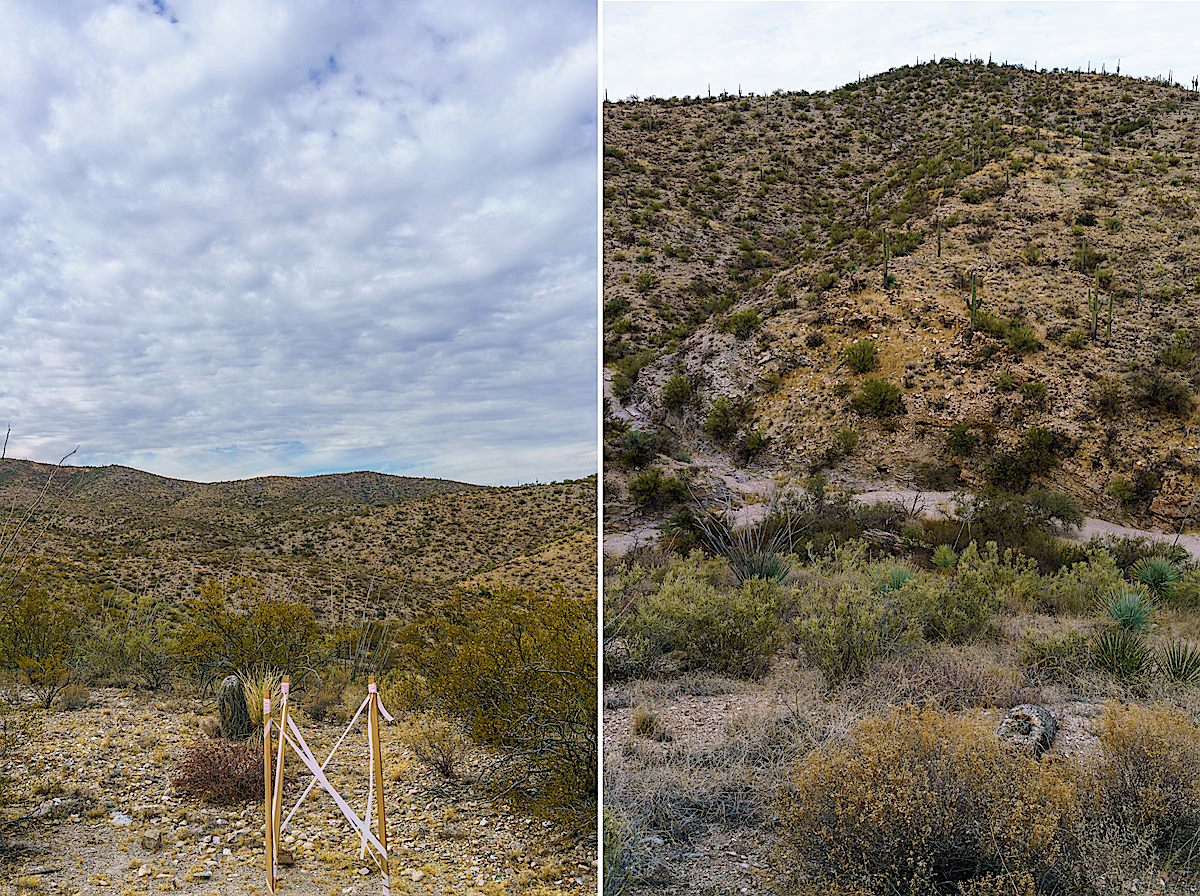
(788, 285)
(347, 543)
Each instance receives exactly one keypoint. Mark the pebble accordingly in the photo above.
(121, 820)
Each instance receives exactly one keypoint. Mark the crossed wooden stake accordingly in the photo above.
(290, 734)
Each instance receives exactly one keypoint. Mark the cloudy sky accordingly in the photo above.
(241, 238)
(679, 48)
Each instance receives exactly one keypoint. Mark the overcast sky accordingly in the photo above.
(241, 238)
(679, 48)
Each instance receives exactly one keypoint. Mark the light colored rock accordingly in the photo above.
(152, 840)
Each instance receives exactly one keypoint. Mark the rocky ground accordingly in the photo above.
(92, 789)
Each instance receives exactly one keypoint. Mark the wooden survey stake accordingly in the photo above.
(377, 758)
(276, 814)
(268, 826)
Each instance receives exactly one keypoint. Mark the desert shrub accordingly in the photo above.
(325, 702)
(651, 488)
(861, 355)
(677, 393)
(1178, 353)
(1157, 575)
(922, 802)
(128, 640)
(725, 416)
(1120, 489)
(639, 447)
(754, 551)
(258, 682)
(1167, 393)
(944, 557)
(752, 445)
(988, 579)
(1147, 773)
(729, 632)
(620, 858)
(1107, 397)
(38, 641)
(845, 440)
(1034, 392)
(518, 669)
(1022, 338)
(961, 440)
(217, 637)
(438, 742)
(1075, 589)
(1035, 453)
(1054, 656)
(1126, 550)
(644, 721)
(878, 398)
(849, 624)
(222, 772)
(74, 696)
(741, 323)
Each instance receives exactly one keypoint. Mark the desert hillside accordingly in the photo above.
(745, 242)
(396, 545)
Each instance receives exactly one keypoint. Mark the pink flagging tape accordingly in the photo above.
(305, 754)
(371, 688)
(328, 759)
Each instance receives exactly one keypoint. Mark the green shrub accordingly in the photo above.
(741, 323)
(845, 440)
(945, 557)
(639, 447)
(725, 417)
(1034, 454)
(1164, 392)
(1022, 338)
(988, 579)
(923, 802)
(651, 488)
(728, 632)
(849, 624)
(1076, 589)
(1129, 609)
(861, 355)
(878, 398)
(518, 670)
(1120, 489)
(1180, 661)
(1121, 653)
(1034, 393)
(1178, 353)
(1054, 656)
(961, 440)
(39, 636)
(677, 393)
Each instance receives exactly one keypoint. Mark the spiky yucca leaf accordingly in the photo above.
(1130, 609)
(1180, 661)
(1158, 574)
(892, 579)
(1121, 652)
(944, 557)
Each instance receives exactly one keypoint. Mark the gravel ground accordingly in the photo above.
(98, 780)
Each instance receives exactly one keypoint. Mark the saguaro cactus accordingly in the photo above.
(1094, 307)
(973, 302)
(886, 254)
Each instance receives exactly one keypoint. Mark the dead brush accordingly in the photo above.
(438, 742)
(222, 772)
(954, 679)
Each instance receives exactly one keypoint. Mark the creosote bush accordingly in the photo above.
(861, 355)
(923, 802)
(878, 398)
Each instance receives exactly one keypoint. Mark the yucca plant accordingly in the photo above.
(1130, 609)
(1158, 574)
(1121, 652)
(1180, 661)
(944, 557)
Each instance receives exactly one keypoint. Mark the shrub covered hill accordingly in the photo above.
(344, 542)
(949, 275)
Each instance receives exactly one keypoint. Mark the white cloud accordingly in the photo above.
(280, 238)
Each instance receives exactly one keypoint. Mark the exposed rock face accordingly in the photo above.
(231, 709)
(1030, 727)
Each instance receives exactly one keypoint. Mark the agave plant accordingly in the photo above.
(1121, 652)
(1130, 609)
(1180, 661)
(1158, 575)
(944, 557)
